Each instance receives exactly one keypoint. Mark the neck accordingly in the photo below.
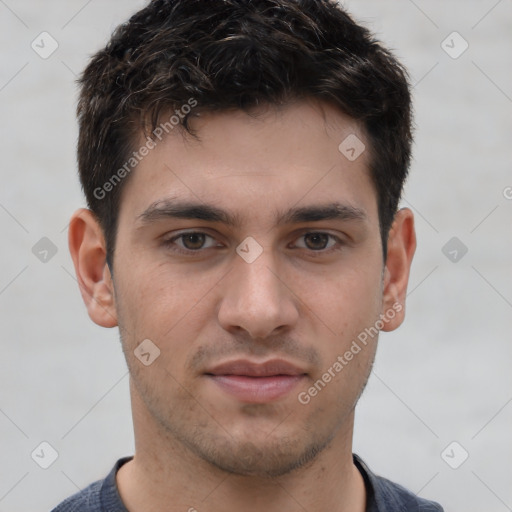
(166, 476)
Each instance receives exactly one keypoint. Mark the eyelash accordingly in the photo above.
(190, 252)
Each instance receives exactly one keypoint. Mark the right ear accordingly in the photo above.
(88, 251)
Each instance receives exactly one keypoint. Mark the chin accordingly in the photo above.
(266, 459)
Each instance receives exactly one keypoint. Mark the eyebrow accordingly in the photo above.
(179, 209)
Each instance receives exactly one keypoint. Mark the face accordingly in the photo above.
(252, 261)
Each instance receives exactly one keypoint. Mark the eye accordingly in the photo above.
(189, 242)
(319, 242)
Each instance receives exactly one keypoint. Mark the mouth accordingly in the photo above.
(252, 382)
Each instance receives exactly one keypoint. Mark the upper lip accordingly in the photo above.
(256, 369)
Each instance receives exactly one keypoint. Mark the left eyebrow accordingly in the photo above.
(314, 213)
(168, 208)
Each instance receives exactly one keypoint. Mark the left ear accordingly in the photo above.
(400, 251)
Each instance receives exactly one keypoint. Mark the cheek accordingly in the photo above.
(162, 304)
(348, 315)
(346, 303)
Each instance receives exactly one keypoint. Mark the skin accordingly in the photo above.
(198, 447)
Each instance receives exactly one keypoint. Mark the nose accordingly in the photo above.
(257, 299)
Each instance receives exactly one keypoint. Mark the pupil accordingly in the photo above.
(317, 236)
(194, 236)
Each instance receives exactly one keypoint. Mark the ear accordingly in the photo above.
(88, 250)
(400, 251)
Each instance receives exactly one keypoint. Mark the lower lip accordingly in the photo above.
(257, 389)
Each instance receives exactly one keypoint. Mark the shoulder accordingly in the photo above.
(87, 500)
(100, 496)
(394, 497)
(387, 496)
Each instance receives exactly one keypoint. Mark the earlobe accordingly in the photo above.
(400, 252)
(88, 251)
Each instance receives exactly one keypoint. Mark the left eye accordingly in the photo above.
(318, 241)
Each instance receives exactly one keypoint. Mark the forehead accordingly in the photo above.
(264, 161)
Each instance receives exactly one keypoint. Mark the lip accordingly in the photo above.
(253, 382)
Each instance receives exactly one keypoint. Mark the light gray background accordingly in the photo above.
(444, 376)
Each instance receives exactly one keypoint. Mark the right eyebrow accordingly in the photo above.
(169, 208)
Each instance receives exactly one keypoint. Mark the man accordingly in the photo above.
(243, 162)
